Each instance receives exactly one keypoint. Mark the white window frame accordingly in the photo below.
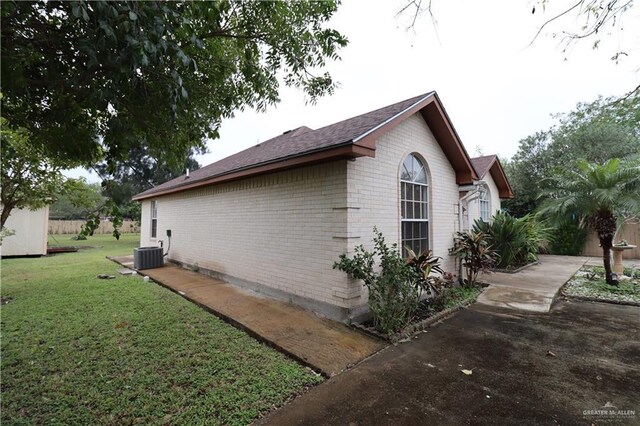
(484, 205)
(414, 206)
(154, 219)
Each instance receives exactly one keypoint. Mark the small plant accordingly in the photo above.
(424, 265)
(475, 254)
(443, 292)
(632, 272)
(79, 237)
(591, 276)
(395, 287)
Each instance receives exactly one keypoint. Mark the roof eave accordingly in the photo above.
(445, 134)
(346, 150)
(500, 179)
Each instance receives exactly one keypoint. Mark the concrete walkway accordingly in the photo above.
(326, 346)
(532, 289)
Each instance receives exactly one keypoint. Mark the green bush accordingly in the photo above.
(568, 239)
(516, 240)
(396, 287)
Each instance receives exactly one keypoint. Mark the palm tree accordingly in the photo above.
(599, 196)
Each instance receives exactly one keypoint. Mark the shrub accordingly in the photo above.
(475, 254)
(396, 287)
(568, 239)
(516, 240)
(443, 292)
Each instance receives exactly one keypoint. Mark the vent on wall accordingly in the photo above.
(148, 257)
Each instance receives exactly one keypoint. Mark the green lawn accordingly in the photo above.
(79, 350)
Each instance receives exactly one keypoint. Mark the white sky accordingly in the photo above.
(495, 87)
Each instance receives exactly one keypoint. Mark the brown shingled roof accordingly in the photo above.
(490, 163)
(483, 164)
(351, 138)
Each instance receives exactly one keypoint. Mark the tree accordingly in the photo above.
(29, 178)
(595, 131)
(525, 172)
(91, 81)
(77, 200)
(137, 173)
(600, 195)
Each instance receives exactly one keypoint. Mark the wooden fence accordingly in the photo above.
(631, 233)
(106, 227)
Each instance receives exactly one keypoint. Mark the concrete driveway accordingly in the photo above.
(514, 380)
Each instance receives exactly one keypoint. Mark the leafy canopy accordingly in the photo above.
(591, 189)
(94, 80)
(595, 132)
(77, 200)
(139, 172)
(29, 178)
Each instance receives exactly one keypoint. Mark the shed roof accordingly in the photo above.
(491, 164)
(350, 138)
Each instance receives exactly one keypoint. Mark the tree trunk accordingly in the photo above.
(606, 244)
(6, 211)
(605, 226)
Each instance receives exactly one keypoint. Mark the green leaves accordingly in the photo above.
(516, 241)
(395, 288)
(475, 254)
(92, 80)
(30, 179)
(595, 132)
(598, 195)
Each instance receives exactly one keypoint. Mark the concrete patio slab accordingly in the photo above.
(532, 289)
(326, 346)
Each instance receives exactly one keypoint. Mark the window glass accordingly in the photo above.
(414, 204)
(485, 210)
(154, 219)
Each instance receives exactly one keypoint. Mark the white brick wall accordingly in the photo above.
(494, 201)
(374, 189)
(286, 230)
(282, 230)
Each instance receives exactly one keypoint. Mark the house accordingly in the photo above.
(275, 217)
(482, 199)
(30, 233)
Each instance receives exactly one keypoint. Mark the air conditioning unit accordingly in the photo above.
(148, 257)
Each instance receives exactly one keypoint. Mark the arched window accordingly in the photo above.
(485, 209)
(414, 205)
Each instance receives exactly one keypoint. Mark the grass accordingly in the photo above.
(79, 350)
(458, 295)
(589, 282)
